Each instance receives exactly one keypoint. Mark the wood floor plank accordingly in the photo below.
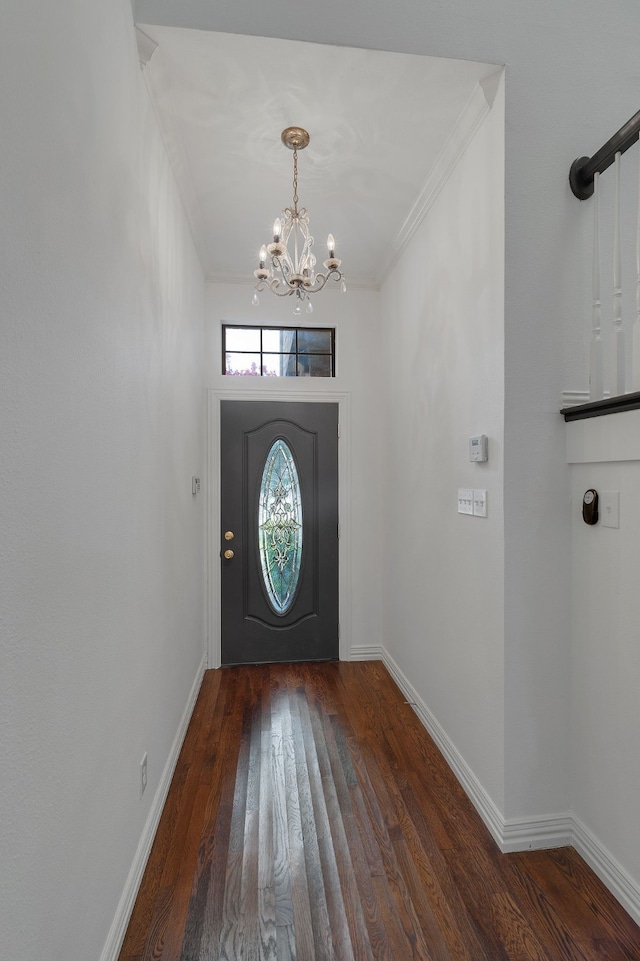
(220, 844)
(239, 925)
(176, 922)
(312, 818)
(281, 851)
(346, 784)
(266, 850)
(567, 931)
(329, 944)
(437, 922)
(358, 933)
(201, 939)
(141, 920)
(443, 915)
(431, 864)
(584, 883)
(302, 935)
(173, 834)
(383, 822)
(605, 950)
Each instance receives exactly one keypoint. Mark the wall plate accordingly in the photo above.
(480, 503)
(610, 508)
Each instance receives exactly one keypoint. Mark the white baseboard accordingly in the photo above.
(118, 929)
(472, 787)
(362, 652)
(523, 834)
(611, 873)
(536, 834)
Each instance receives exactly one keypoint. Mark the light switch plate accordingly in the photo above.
(480, 503)
(610, 508)
(465, 501)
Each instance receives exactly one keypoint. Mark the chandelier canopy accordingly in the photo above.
(287, 265)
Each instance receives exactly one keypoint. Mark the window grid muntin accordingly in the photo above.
(293, 354)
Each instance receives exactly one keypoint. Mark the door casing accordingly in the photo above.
(343, 399)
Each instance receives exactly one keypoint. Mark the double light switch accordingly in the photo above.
(472, 502)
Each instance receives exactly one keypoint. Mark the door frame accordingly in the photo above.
(343, 400)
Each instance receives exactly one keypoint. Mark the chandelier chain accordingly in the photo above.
(295, 181)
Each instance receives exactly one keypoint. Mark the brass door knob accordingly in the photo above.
(228, 555)
(228, 535)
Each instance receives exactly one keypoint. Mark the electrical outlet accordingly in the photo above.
(143, 774)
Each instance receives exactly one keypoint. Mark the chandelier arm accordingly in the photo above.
(273, 283)
(322, 279)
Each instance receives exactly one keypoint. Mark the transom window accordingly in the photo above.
(278, 351)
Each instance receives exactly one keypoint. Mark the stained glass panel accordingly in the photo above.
(280, 526)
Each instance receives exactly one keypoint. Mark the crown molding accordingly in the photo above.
(471, 117)
(160, 92)
(146, 46)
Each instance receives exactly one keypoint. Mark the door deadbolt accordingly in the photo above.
(228, 535)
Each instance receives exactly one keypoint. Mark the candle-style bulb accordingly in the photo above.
(277, 230)
(331, 244)
(262, 256)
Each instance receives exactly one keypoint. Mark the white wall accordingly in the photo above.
(605, 454)
(94, 386)
(102, 424)
(443, 311)
(572, 80)
(359, 373)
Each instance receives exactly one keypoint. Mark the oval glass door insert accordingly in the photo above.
(280, 527)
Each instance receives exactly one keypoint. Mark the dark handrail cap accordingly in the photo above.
(582, 187)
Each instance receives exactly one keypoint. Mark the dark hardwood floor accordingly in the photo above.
(311, 817)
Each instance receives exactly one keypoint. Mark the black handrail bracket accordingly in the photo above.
(584, 169)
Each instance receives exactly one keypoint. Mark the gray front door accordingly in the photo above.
(279, 531)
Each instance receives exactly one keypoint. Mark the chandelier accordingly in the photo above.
(287, 265)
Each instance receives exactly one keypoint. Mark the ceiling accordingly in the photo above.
(384, 127)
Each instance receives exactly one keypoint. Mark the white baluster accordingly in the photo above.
(635, 359)
(596, 383)
(617, 291)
